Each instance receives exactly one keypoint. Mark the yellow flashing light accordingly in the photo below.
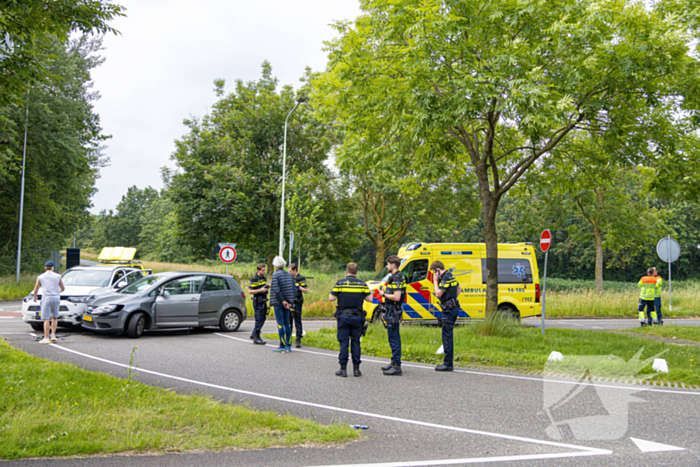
(117, 253)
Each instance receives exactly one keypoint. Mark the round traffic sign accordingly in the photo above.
(227, 254)
(545, 240)
(668, 249)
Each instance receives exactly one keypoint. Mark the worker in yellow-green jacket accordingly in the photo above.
(657, 297)
(647, 286)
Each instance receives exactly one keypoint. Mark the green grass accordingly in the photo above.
(52, 409)
(687, 333)
(10, 289)
(523, 349)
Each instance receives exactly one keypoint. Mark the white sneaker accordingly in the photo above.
(45, 340)
(53, 338)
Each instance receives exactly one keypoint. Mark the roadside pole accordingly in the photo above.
(669, 250)
(227, 253)
(545, 243)
(670, 298)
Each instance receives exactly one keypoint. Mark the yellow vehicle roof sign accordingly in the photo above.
(117, 253)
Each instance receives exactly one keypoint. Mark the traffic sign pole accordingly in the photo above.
(545, 243)
(670, 299)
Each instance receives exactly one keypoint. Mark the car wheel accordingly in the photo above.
(508, 312)
(230, 321)
(137, 324)
(37, 327)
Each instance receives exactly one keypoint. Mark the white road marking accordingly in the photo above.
(495, 375)
(596, 327)
(472, 460)
(576, 324)
(651, 446)
(586, 451)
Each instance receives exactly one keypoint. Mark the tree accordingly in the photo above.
(228, 187)
(29, 30)
(63, 156)
(503, 83)
(321, 220)
(614, 199)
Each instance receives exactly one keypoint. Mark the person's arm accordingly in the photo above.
(60, 284)
(36, 288)
(368, 298)
(436, 283)
(394, 295)
(459, 290)
(332, 298)
(301, 285)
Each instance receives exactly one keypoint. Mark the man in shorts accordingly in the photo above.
(51, 288)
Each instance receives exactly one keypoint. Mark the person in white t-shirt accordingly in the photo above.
(51, 288)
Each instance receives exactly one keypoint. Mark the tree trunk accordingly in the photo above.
(270, 267)
(489, 204)
(598, 260)
(380, 256)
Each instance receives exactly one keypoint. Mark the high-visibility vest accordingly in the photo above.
(647, 284)
(657, 289)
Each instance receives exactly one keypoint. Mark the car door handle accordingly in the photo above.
(424, 288)
(194, 299)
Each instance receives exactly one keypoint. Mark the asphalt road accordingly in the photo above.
(422, 418)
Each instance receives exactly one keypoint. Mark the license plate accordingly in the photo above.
(87, 318)
(38, 315)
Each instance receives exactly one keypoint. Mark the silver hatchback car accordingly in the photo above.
(169, 300)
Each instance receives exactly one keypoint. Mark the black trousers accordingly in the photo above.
(349, 332)
(260, 316)
(449, 318)
(296, 319)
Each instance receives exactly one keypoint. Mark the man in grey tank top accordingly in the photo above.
(51, 288)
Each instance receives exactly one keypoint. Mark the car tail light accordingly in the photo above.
(537, 293)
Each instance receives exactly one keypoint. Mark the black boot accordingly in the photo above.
(343, 371)
(356, 370)
(395, 370)
(257, 340)
(444, 367)
(298, 342)
(252, 336)
(387, 367)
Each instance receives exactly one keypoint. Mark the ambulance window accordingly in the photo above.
(510, 271)
(416, 271)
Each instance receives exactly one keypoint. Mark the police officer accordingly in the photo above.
(258, 290)
(446, 290)
(301, 289)
(394, 294)
(350, 292)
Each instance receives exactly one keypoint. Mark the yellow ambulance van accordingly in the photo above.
(518, 280)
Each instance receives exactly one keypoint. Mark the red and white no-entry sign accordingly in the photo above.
(227, 254)
(545, 240)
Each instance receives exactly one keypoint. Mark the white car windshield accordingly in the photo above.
(142, 284)
(87, 277)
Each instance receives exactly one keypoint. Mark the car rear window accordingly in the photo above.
(510, 271)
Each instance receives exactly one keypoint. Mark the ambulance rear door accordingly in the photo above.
(418, 287)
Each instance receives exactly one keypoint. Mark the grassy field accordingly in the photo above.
(520, 348)
(685, 333)
(52, 409)
(565, 298)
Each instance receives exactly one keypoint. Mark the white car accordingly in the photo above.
(83, 283)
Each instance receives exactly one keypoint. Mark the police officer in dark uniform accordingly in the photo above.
(394, 294)
(350, 292)
(302, 288)
(446, 290)
(258, 290)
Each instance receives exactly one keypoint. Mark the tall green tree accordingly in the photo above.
(63, 156)
(29, 30)
(503, 83)
(228, 187)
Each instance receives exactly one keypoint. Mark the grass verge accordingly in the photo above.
(57, 409)
(523, 349)
(686, 333)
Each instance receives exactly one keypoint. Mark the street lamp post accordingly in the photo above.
(284, 174)
(21, 196)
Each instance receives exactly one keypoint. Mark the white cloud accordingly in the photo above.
(161, 69)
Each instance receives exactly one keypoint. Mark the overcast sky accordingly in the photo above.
(161, 69)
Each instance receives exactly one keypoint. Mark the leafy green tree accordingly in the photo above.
(503, 83)
(158, 238)
(228, 186)
(63, 156)
(322, 221)
(29, 30)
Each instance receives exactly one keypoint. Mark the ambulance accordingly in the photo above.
(518, 280)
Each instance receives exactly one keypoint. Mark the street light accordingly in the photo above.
(284, 173)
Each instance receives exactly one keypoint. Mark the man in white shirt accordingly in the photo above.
(51, 288)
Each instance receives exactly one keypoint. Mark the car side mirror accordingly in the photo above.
(120, 284)
(161, 292)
